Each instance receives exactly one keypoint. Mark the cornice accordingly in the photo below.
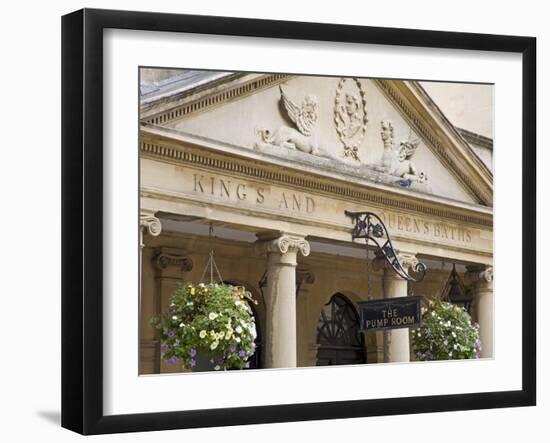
(163, 113)
(476, 139)
(174, 152)
(442, 137)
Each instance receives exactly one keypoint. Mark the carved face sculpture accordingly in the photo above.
(309, 107)
(387, 130)
(352, 104)
(406, 150)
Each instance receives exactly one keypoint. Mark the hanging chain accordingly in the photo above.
(369, 293)
(211, 263)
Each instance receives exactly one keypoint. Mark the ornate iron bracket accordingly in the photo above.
(371, 227)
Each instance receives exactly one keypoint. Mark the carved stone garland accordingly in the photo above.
(350, 117)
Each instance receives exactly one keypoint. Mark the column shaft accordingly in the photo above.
(481, 279)
(281, 315)
(398, 348)
(280, 299)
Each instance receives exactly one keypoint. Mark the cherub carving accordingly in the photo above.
(305, 118)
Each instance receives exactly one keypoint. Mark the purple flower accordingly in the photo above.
(247, 365)
(164, 346)
(221, 360)
(170, 334)
(192, 362)
(242, 353)
(171, 360)
(193, 352)
(233, 348)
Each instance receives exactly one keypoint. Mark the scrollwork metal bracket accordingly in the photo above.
(370, 226)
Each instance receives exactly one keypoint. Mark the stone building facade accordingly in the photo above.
(260, 168)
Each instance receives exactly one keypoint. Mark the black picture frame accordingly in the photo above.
(82, 218)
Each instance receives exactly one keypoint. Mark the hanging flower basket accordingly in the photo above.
(208, 319)
(446, 333)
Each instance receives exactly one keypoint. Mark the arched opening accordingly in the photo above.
(339, 339)
(255, 360)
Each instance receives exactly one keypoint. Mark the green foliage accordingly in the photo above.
(213, 319)
(446, 333)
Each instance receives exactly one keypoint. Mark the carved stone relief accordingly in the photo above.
(303, 137)
(350, 115)
(396, 160)
(350, 119)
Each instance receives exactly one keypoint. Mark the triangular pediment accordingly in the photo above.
(384, 131)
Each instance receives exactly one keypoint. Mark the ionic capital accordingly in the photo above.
(407, 259)
(283, 244)
(150, 223)
(169, 257)
(478, 275)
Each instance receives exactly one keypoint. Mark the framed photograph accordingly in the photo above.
(270, 221)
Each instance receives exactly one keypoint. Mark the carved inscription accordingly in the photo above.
(430, 229)
(259, 196)
(233, 190)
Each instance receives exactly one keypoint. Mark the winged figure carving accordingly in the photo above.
(304, 117)
(396, 160)
(302, 137)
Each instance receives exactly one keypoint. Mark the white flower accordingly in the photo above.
(214, 345)
(451, 354)
(201, 285)
(181, 325)
(174, 317)
(238, 339)
(202, 334)
(239, 329)
(228, 335)
(453, 334)
(238, 303)
(212, 316)
(216, 368)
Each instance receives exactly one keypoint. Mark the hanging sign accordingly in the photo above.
(390, 313)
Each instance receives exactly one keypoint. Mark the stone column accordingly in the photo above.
(396, 341)
(480, 278)
(148, 225)
(171, 266)
(280, 298)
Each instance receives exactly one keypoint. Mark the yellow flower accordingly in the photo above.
(192, 291)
